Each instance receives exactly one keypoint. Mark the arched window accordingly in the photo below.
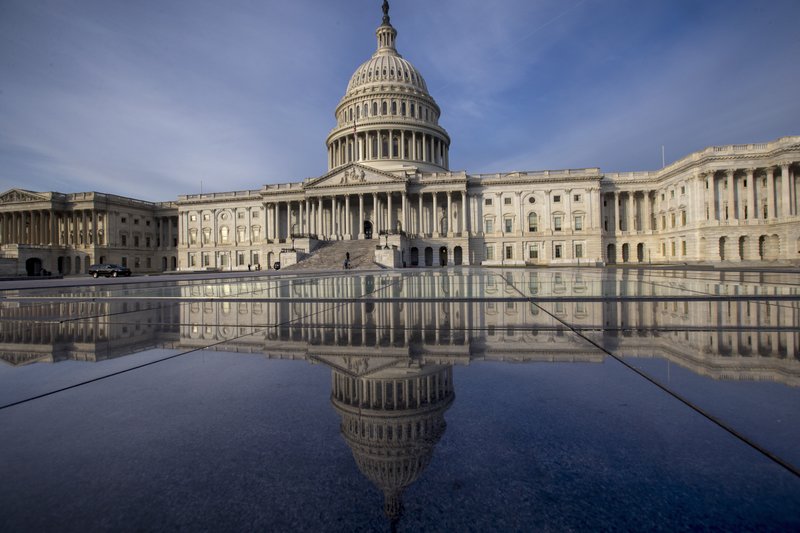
(375, 146)
(413, 110)
(351, 114)
(223, 234)
(395, 146)
(385, 146)
(533, 222)
(374, 108)
(394, 108)
(366, 109)
(383, 108)
(403, 109)
(358, 111)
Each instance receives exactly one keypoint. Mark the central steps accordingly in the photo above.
(331, 255)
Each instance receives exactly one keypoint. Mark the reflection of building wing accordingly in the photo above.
(732, 367)
(82, 331)
(392, 419)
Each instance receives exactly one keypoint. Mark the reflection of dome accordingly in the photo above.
(386, 118)
(392, 419)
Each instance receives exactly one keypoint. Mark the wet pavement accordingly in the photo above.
(456, 399)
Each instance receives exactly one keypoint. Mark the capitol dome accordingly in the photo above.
(387, 119)
(386, 67)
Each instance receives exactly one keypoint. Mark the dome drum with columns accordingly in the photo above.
(387, 119)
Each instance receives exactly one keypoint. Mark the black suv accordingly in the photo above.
(107, 270)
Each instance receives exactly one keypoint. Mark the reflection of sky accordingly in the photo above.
(231, 441)
(148, 100)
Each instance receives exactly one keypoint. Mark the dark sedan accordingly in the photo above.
(109, 270)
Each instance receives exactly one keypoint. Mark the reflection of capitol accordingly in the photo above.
(392, 417)
(93, 331)
(439, 318)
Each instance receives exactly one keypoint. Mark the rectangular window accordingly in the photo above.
(255, 214)
(578, 223)
(489, 251)
(206, 216)
(533, 251)
(509, 225)
(579, 251)
(488, 226)
(240, 258)
(672, 193)
(487, 201)
(683, 190)
(556, 198)
(124, 261)
(557, 251)
(206, 260)
(683, 247)
(147, 242)
(683, 218)
(136, 262)
(149, 262)
(192, 260)
(136, 221)
(576, 198)
(135, 241)
(123, 220)
(673, 248)
(240, 214)
(193, 218)
(557, 223)
(509, 252)
(672, 220)
(255, 259)
(147, 223)
(124, 240)
(507, 200)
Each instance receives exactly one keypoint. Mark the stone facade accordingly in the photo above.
(388, 175)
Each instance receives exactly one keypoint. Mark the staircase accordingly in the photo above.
(330, 256)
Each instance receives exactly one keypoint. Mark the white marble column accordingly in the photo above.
(434, 218)
(464, 208)
(785, 191)
(361, 216)
(348, 219)
(389, 214)
(771, 193)
(449, 216)
(730, 176)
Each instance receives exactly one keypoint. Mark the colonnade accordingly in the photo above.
(751, 193)
(344, 216)
(82, 227)
(760, 193)
(389, 144)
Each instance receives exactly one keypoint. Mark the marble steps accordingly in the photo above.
(331, 256)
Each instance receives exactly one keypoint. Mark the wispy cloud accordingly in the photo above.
(147, 99)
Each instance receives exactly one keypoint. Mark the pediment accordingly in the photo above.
(353, 176)
(15, 196)
(356, 365)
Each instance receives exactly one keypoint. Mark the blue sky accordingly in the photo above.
(149, 98)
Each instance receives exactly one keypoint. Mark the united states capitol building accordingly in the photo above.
(389, 188)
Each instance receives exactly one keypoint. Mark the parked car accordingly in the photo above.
(107, 270)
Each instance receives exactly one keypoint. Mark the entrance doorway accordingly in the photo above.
(611, 254)
(457, 255)
(367, 229)
(443, 256)
(428, 256)
(33, 266)
(414, 256)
